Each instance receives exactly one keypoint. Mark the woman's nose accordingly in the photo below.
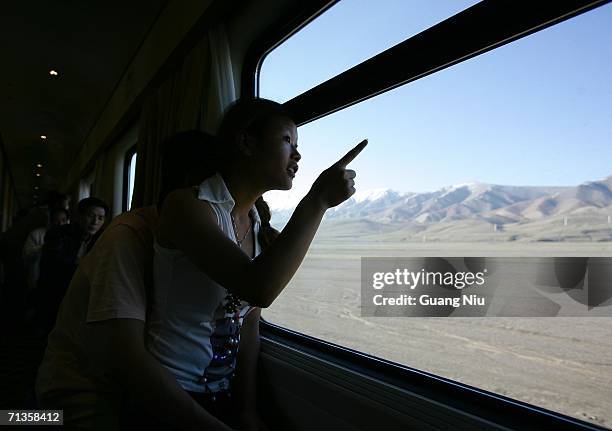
(296, 155)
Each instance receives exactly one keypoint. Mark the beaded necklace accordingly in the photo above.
(232, 313)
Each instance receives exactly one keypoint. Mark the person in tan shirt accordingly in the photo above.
(96, 367)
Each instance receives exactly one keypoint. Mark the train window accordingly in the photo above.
(86, 185)
(131, 176)
(373, 28)
(439, 178)
(129, 173)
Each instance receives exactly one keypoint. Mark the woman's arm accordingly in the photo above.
(146, 380)
(190, 225)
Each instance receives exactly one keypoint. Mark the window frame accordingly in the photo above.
(126, 173)
(505, 411)
(289, 24)
(478, 29)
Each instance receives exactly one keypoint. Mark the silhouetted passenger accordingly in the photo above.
(63, 248)
(13, 301)
(96, 361)
(32, 249)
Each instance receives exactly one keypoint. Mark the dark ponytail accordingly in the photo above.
(267, 233)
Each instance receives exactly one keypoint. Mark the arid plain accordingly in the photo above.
(560, 363)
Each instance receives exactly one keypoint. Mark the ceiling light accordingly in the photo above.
(38, 175)
(38, 165)
(43, 137)
(35, 187)
(52, 72)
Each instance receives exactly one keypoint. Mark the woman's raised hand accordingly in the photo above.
(336, 183)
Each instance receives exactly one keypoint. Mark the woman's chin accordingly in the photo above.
(284, 182)
(288, 183)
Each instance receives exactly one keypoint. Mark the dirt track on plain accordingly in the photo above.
(560, 363)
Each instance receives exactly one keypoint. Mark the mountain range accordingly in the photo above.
(496, 208)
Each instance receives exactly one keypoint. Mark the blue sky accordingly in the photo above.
(535, 112)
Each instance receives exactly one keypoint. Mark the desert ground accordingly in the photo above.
(560, 363)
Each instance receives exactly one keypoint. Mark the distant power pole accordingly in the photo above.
(609, 219)
(565, 221)
(494, 227)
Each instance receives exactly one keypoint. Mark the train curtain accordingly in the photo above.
(194, 96)
(99, 188)
(173, 107)
(221, 90)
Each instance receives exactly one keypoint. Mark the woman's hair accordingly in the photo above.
(267, 233)
(250, 115)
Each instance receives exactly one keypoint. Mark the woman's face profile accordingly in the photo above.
(276, 157)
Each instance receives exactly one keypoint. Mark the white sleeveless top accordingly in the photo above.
(191, 329)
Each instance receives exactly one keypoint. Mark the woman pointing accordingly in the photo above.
(218, 261)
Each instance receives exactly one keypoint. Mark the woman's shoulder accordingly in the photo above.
(182, 216)
(182, 194)
(184, 205)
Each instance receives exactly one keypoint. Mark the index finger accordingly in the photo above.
(348, 157)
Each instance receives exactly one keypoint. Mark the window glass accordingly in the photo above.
(534, 113)
(86, 185)
(131, 176)
(347, 34)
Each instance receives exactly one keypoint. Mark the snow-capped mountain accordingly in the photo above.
(492, 203)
